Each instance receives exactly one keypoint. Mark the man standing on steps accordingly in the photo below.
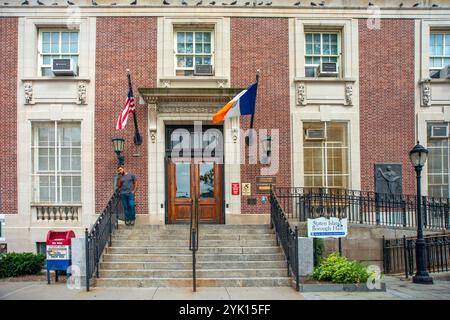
(126, 184)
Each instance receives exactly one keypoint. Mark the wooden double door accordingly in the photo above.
(193, 184)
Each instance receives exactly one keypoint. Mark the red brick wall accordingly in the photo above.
(263, 43)
(122, 43)
(386, 62)
(8, 129)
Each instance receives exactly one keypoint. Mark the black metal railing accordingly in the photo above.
(287, 237)
(399, 255)
(100, 235)
(363, 207)
(193, 240)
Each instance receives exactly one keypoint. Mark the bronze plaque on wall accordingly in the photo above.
(264, 183)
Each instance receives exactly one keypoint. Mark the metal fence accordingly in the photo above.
(363, 207)
(101, 234)
(286, 236)
(399, 255)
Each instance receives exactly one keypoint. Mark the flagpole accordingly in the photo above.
(137, 136)
(250, 134)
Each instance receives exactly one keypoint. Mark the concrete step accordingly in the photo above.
(219, 265)
(204, 229)
(186, 273)
(185, 236)
(188, 257)
(185, 250)
(185, 243)
(187, 282)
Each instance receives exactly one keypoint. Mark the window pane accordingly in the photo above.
(198, 48)
(309, 38)
(183, 180)
(181, 62)
(46, 37)
(181, 48)
(333, 38)
(65, 37)
(207, 60)
(189, 62)
(326, 38)
(55, 37)
(316, 60)
(317, 38)
(46, 60)
(198, 37)
(180, 37)
(198, 60)
(65, 47)
(189, 48)
(206, 180)
(316, 49)
(207, 37)
(207, 48)
(326, 49)
(74, 37)
(310, 72)
(334, 49)
(54, 48)
(46, 48)
(308, 60)
(189, 37)
(309, 49)
(74, 47)
(432, 50)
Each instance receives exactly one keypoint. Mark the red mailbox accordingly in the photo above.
(58, 251)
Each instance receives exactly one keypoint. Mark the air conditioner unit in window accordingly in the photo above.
(315, 134)
(64, 67)
(203, 70)
(435, 74)
(439, 131)
(327, 69)
(445, 72)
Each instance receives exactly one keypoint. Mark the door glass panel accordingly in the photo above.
(207, 180)
(183, 180)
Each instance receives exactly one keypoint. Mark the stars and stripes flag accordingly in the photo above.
(129, 107)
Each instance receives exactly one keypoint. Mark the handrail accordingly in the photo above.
(100, 234)
(287, 237)
(193, 239)
(363, 207)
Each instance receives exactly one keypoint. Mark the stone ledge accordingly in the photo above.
(336, 287)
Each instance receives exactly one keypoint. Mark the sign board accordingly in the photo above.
(2, 225)
(327, 228)
(265, 183)
(58, 252)
(246, 189)
(235, 188)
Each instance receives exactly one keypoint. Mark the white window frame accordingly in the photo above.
(443, 56)
(56, 173)
(430, 149)
(41, 54)
(321, 55)
(193, 54)
(324, 155)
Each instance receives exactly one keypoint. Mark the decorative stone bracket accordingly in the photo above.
(301, 94)
(152, 113)
(426, 93)
(348, 94)
(28, 90)
(82, 95)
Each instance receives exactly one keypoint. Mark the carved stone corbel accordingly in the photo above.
(426, 93)
(82, 96)
(152, 114)
(348, 94)
(28, 89)
(166, 83)
(221, 83)
(301, 94)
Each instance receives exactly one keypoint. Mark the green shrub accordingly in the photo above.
(17, 264)
(338, 269)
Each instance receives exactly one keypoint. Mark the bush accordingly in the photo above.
(338, 269)
(17, 264)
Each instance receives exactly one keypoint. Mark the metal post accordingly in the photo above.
(405, 256)
(297, 276)
(421, 275)
(340, 246)
(194, 280)
(86, 235)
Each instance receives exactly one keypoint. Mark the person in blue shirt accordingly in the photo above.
(126, 184)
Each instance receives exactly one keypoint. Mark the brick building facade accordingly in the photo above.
(57, 153)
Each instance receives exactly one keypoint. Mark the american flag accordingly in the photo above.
(129, 107)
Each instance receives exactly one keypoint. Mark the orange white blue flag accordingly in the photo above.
(242, 104)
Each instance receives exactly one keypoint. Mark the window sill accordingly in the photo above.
(59, 78)
(186, 81)
(324, 79)
(434, 81)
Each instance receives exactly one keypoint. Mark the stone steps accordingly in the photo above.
(159, 255)
(188, 265)
(187, 282)
(201, 273)
(185, 250)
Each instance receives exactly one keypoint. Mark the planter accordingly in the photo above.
(336, 287)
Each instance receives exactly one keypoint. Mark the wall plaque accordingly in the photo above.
(265, 183)
(246, 189)
(388, 181)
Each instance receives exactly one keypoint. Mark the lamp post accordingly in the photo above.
(118, 143)
(418, 156)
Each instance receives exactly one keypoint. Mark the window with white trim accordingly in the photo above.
(56, 161)
(57, 44)
(438, 163)
(439, 51)
(321, 47)
(326, 155)
(193, 48)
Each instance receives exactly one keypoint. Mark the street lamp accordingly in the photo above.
(118, 143)
(418, 156)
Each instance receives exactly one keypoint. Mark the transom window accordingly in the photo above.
(439, 51)
(192, 48)
(57, 44)
(438, 164)
(320, 47)
(326, 154)
(56, 160)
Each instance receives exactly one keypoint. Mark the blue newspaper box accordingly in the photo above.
(58, 251)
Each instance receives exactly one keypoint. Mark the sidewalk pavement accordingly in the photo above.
(397, 289)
